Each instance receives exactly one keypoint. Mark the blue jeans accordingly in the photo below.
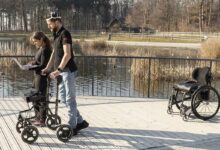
(67, 95)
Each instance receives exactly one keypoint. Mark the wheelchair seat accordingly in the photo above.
(187, 86)
(201, 76)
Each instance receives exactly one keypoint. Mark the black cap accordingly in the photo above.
(54, 15)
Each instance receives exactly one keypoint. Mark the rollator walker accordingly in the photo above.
(29, 132)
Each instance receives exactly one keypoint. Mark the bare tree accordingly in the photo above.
(164, 15)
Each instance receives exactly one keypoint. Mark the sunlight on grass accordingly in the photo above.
(211, 48)
(156, 39)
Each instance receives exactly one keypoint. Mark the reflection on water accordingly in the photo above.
(98, 76)
(18, 46)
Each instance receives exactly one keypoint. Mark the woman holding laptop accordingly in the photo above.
(44, 49)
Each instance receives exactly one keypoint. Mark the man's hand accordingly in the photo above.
(54, 75)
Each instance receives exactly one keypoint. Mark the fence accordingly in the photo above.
(113, 76)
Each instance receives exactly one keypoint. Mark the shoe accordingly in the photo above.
(82, 125)
(75, 132)
(39, 123)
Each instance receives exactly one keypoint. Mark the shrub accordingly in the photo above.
(100, 45)
(211, 48)
(77, 47)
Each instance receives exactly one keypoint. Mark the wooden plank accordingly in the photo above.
(99, 137)
(11, 115)
(110, 142)
(13, 103)
(3, 142)
(7, 130)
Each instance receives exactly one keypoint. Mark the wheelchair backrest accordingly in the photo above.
(202, 75)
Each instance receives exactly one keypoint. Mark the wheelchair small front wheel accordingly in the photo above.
(29, 134)
(205, 103)
(174, 100)
(53, 121)
(64, 133)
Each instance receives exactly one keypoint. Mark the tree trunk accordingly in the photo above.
(201, 15)
(210, 13)
(24, 17)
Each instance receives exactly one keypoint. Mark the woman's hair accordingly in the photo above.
(40, 35)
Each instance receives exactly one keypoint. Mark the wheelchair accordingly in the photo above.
(29, 133)
(195, 96)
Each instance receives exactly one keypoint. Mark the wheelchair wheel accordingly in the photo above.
(53, 121)
(22, 124)
(205, 102)
(29, 134)
(64, 133)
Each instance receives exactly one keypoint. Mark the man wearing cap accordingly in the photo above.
(62, 59)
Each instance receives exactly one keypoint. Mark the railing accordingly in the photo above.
(113, 75)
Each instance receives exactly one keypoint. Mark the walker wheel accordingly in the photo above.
(53, 121)
(169, 110)
(29, 134)
(22, 124)
(64, 133)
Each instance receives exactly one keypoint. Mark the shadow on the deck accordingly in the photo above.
(134, 137)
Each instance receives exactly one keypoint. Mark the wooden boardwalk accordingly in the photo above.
(115, 123)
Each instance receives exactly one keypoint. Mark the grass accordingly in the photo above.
(156, 39)
(211, 48)
(100, 48)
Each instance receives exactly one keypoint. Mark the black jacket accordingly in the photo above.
(41, 58)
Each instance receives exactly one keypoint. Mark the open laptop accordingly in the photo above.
(25, 67)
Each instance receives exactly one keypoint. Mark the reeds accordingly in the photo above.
(211, 48)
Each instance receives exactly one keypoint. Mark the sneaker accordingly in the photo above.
(82, 125)
(75, 132)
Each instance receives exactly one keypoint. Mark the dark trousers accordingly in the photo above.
(40, 84)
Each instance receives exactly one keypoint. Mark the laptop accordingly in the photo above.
(25, 67)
